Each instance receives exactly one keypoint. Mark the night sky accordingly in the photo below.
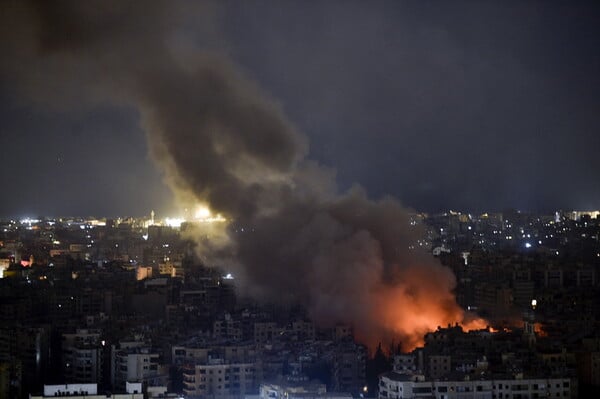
(444, 105)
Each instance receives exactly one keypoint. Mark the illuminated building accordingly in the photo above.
(88, 391)
(4, 264)
(578, 215)
(135, 362)
(393, 385)
(306, 390)
(171, 268)
(219, 370)
(143, 272)
(220, 379)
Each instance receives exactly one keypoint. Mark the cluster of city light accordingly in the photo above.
(174, 222)
(203, 214)
(29, 221)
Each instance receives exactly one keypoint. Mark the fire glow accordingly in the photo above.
(419, 302)
(221, 141)
(203, 214)
(539, 330)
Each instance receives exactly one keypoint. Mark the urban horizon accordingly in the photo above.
(334, 199)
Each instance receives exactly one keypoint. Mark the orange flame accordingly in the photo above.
(474, 324)
(419, 301)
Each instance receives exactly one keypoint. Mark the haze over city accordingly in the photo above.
(329, 198)
(443, 106)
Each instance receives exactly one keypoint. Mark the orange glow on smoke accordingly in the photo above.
(420, 301)
(539, 330)
(502, 329)
(474, 324)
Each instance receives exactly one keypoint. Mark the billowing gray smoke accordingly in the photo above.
(221, 141)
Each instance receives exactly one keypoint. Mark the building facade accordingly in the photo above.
(400, 386)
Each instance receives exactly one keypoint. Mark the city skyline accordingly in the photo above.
(258, 199)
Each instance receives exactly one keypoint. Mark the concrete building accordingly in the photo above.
(404, 364)
(88, 391)
(305, 390)
(219, 379)
(218, 369)
(349, 368)
(439, 365)
(83, 356)
(493, 298)
(228, 328)
(394, 385)
(343, 331)
(302, 330)
(26, 349)
(136, 364)
(265, 331)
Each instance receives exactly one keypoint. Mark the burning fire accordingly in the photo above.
(474, 324)
(419, 302)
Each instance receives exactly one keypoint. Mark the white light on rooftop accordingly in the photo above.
(174, 222)
(202, 213)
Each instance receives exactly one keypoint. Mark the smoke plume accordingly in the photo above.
(222, 141)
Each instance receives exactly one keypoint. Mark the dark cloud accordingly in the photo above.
(221, 140)
(483, 105)
(459, 105)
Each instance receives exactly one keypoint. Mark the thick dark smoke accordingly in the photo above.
(221, 141)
